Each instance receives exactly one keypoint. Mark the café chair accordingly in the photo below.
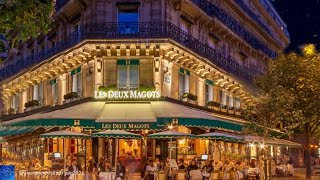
(162, 176)
(195, 175)
(214, 176)
(181, 175)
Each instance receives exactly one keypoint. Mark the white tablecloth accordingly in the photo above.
(107, 175)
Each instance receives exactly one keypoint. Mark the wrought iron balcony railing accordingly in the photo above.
(217, 12)
(143, 30)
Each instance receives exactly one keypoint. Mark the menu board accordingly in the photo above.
(173, 163)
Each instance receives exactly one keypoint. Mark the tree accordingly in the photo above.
(24, 19)
(290, 96)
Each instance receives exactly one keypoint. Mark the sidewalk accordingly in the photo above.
(300, 174)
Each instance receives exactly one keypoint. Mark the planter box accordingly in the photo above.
(190, 101)
(66, 101)
(216, 108)
(224, 110)
(190, 156)
(238, 113)
(231, 111)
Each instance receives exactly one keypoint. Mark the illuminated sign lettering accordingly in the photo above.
(127, 94)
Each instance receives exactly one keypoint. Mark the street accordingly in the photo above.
(299, 175)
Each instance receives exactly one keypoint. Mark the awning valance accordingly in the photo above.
(127, 116)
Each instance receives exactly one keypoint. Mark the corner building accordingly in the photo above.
(138, 66)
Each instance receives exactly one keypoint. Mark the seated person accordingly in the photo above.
(181, 164)
(208, 167)
(106, 167)
(162, 167)
(151, 167)
(150, 170)
(74, 167)
(192, 166)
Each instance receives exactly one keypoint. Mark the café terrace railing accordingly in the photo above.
(143, 30)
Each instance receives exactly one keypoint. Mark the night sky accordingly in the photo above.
(303, 21)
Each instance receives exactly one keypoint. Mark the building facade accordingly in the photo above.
(140, 65)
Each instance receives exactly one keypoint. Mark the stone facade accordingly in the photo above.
(170, 36)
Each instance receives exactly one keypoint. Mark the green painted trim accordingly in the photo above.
(196, 122)
(89, 123)
(54, 81)
(134, 62)
(209, 82)
(76, 71)
(181, 70)
(121, 62)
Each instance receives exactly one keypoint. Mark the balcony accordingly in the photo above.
(143, 30)
(215, 11)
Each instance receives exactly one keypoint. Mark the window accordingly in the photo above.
(38, 92)
(186, 27)
(183, 82)
(76, 80)
(15, 101)
(54, 91)
(128, 18)
(236, 103)
(208, 91)
(128, 74)
(223, 98)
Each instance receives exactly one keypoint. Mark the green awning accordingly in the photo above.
(64, 134)
(170, 135)
(12, 131)
(117, 134)
(220, 136)
(197, 122)
(56, 123)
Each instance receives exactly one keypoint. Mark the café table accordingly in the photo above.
(107, 175)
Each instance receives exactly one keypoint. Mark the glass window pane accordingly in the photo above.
(134, 76)
(41, 91)
(122, 76)
(186, 84)
(36, 92)
(74, 83)
(79, 82)
(128, 21)
(207, 93)
(181, 84)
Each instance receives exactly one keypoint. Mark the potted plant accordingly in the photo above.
(191, 155)
(231, 110)
(112, 87)
(11, 111)
(213, 105)
(237, 111)
(224, 108)
(31, 105)
(146, 88)
(190, 98)
(70, 96)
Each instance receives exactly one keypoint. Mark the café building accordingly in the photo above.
(143, 67)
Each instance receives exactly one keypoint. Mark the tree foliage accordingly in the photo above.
(291, 92)
(24, 19)
(290, 97)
